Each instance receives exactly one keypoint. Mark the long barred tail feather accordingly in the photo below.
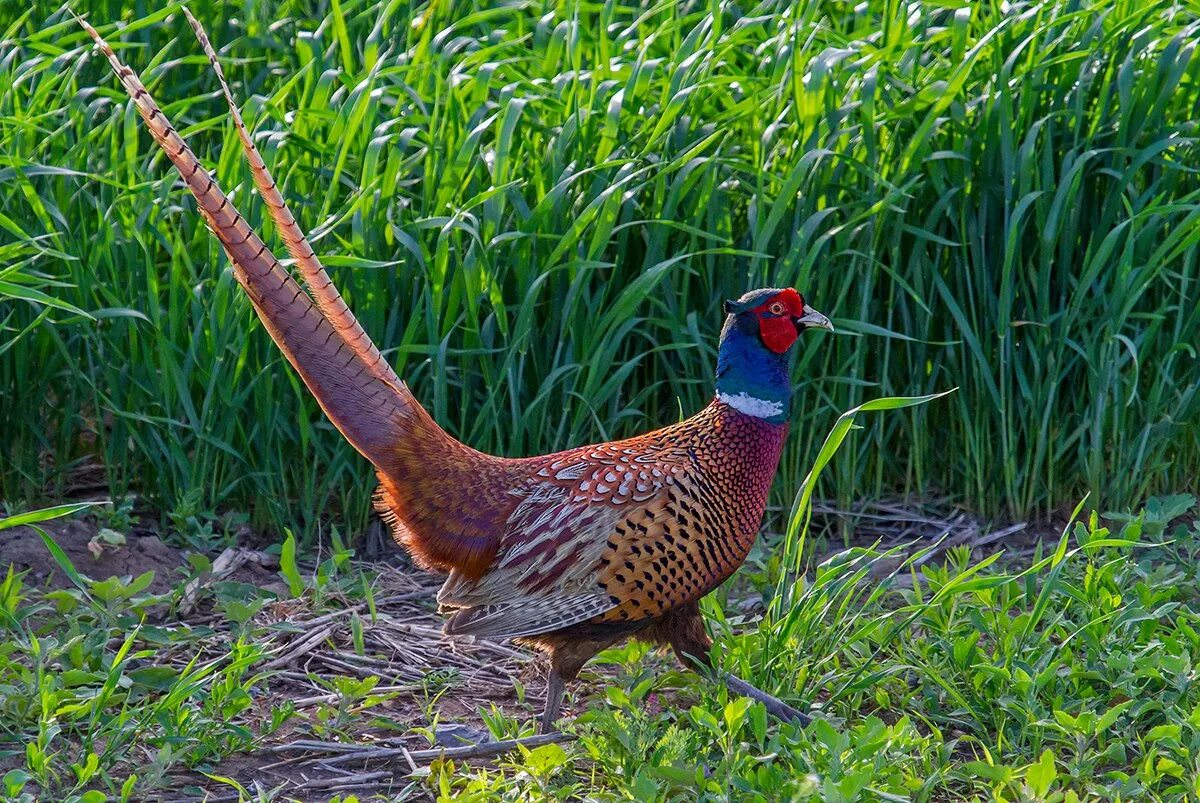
(322, 289)
(354, 385)
(422, 469)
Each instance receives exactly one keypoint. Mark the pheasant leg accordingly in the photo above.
(554, 694)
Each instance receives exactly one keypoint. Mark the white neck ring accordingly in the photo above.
(745, 403)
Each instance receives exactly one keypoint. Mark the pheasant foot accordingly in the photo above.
(458, 735)
(774, 705)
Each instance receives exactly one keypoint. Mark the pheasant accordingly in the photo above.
(568, 553)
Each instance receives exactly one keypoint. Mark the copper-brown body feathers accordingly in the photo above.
(569, 551)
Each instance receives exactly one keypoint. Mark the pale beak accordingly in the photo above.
(812, 319)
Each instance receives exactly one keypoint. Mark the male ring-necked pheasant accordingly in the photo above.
(568, 552)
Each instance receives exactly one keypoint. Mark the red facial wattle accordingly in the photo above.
(778, 334)
(775, 320)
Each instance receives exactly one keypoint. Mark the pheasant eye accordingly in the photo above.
(777, 308)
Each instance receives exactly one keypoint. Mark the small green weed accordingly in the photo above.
(95, 701)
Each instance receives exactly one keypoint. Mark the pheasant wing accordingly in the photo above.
(553, 568)
(544, 578)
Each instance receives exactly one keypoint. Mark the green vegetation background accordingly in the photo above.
(537, 208)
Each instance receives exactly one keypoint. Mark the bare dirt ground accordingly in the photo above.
(143, 552)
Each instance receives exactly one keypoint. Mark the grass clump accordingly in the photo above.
(1068, 680)
(537, 210)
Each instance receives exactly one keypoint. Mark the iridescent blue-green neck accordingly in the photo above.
(751, 377)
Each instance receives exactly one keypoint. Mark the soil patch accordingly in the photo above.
(25, 550)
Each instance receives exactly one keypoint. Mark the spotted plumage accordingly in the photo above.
(624, 531)
(568, 552)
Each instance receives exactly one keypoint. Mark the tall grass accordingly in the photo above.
(537, 208)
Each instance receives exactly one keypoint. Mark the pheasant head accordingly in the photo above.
(755, 355)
